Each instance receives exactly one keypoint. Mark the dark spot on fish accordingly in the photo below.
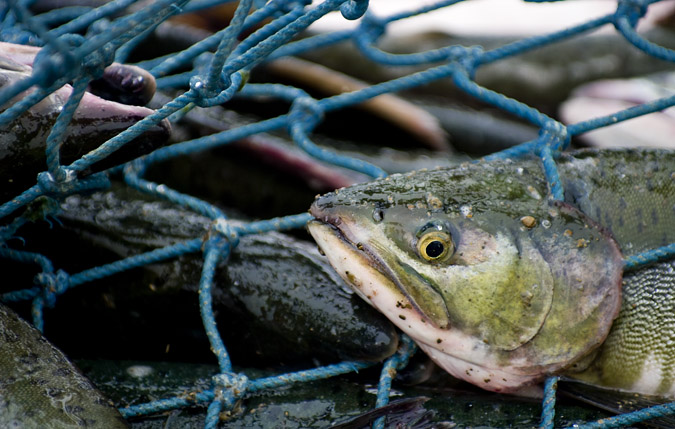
(60, 372)
(650, 185)
(438, 341)
(75, 409)
(638, 215)
(402, 317)
(487, 380)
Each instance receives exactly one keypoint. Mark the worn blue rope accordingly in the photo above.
(548, 409)
(252, 386)
(627, 419)
(389, 369)
(57, 134)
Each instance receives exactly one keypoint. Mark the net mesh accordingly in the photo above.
(79, 42)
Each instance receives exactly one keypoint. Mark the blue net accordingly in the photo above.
(78, 43)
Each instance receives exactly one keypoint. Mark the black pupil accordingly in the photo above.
(434, 249)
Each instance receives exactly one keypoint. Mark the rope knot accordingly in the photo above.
(53, 285)
(305, 111)
(631, 9)
(63, 184)
(226, 230)
(554, 135)
(67, 183)
(468, 59)
(219, 93)
(229, 386)
(354, 9)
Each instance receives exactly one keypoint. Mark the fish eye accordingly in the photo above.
(435, 246)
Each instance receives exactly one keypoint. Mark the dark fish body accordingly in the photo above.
(275, 298)
(40, 388)
(502, 286)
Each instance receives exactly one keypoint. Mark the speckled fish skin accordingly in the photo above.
(40, 388)
(530, 287)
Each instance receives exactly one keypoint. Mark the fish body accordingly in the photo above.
(40, 388)
(503, 286)
(288, 305)
(95, 121)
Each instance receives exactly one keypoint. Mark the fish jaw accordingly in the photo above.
(361, 271)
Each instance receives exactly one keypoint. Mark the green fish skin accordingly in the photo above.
(503, 286)
(40, 388)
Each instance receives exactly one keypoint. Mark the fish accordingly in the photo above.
(286, 302)
(122, 83)
(95, 121)
(503, 286)
(608, 96)
(40, 388)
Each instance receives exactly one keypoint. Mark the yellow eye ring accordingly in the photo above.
(435, 246)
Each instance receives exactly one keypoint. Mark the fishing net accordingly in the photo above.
(213, 70)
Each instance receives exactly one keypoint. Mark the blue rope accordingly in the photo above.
(630, 418)
(389, 369)
(548, 409)
(649, 257)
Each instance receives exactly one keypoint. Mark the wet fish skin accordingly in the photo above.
(478, 313)
(40, 388)
(276, 299)
(96, 120)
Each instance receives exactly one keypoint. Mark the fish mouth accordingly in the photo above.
(343, 228)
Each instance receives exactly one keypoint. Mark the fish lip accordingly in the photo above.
(341, 230)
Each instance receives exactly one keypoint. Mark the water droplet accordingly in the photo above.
(140, 371)
(378, 214)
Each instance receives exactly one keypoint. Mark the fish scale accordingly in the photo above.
(638, 353)
(631, 192)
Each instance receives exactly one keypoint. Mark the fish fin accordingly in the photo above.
(408, 413)
(614, 401)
